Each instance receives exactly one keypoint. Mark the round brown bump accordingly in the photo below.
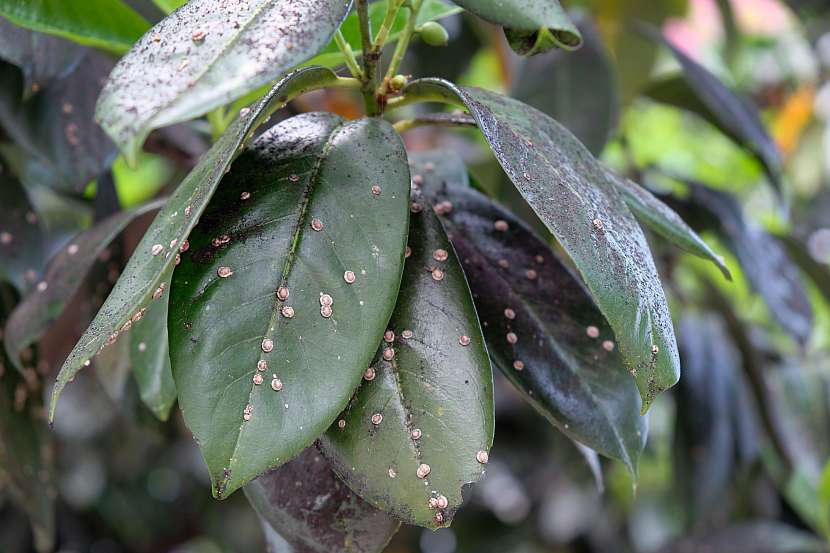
(440, 255)
(518, 365)
(283, 293)
(464, 340)
(482, 457)
(608, 345)
(501, 226)
(423, 471)
(349, 277)
(326, 311)
(370, 374)
(267, 345)
(316, 224)
(377, 418)
(389, 354)
(512, 338)
(257, 379)
(224, 272)
(276, 384)
(592, 332)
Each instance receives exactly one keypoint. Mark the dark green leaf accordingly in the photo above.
(150, 358)
(531, 26)
(705, 438)
(107, 24)
(311, 218)
(419, 428)
(763, 259)
(26, 458)
(521, 287)
(64, 147)
(315, 512)
(146, 273)
(40, 57)
(749, 537)
(578, 89)
(572, 195)
(699, 91)
(23, 247)
(817, 271)
(665, 221)
(65, 273)
(200, 58)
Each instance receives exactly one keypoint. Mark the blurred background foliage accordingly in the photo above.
(737, 454)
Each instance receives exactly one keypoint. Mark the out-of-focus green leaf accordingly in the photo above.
(315, 512)
(65, 273)
(23, 249)
(578, 89)
(26, 458)
(40, 57)
(108, 24)
(572, 195)
(704, 457)
(763, 259)
(145, 273)
(531, 26)
(200, 58)
(150, 357)
(136, 185)
(168, 6)
(260, 379)
(564, 358)
(64, 148)
(665, 221)
(421, 425)
(749, 537)
(700, 92)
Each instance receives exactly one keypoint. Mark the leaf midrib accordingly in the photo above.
(308, 193)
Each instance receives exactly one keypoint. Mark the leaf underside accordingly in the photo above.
(297, 211)
(146, 274)
(200, 58)
(531, 26)
(572, 195)
(521, 287)
(150, 358)
(305, 503)
(430, 401)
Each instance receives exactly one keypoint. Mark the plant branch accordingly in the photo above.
(403, 41)
(370, 60)
(392, 10)
(348, 55)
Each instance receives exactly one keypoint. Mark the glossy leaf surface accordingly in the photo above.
(146, 273)
(108, 24)
(560, 360)
(531, 26)
(64, 275)
(201, 57)
(419, 426)
(572, 195)
(315, 512)
(314, 226)
(23, 245)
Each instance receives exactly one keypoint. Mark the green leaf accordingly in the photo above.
(572, 195)
(200, 58)
(575, 84)
(42, 58)
(705, 440)
(23, 244)
(431, 10)
(145, 273)
(521, 287)
(531, 26)
(418, 426)
(168, 6)
(64, 275)
(26, 459)
(108, 24)
(750, 537)
(313, 226)
(305, 503)
(150, 358)
(665, 221)
(763, 259)
(64, 148)
(700, 92)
